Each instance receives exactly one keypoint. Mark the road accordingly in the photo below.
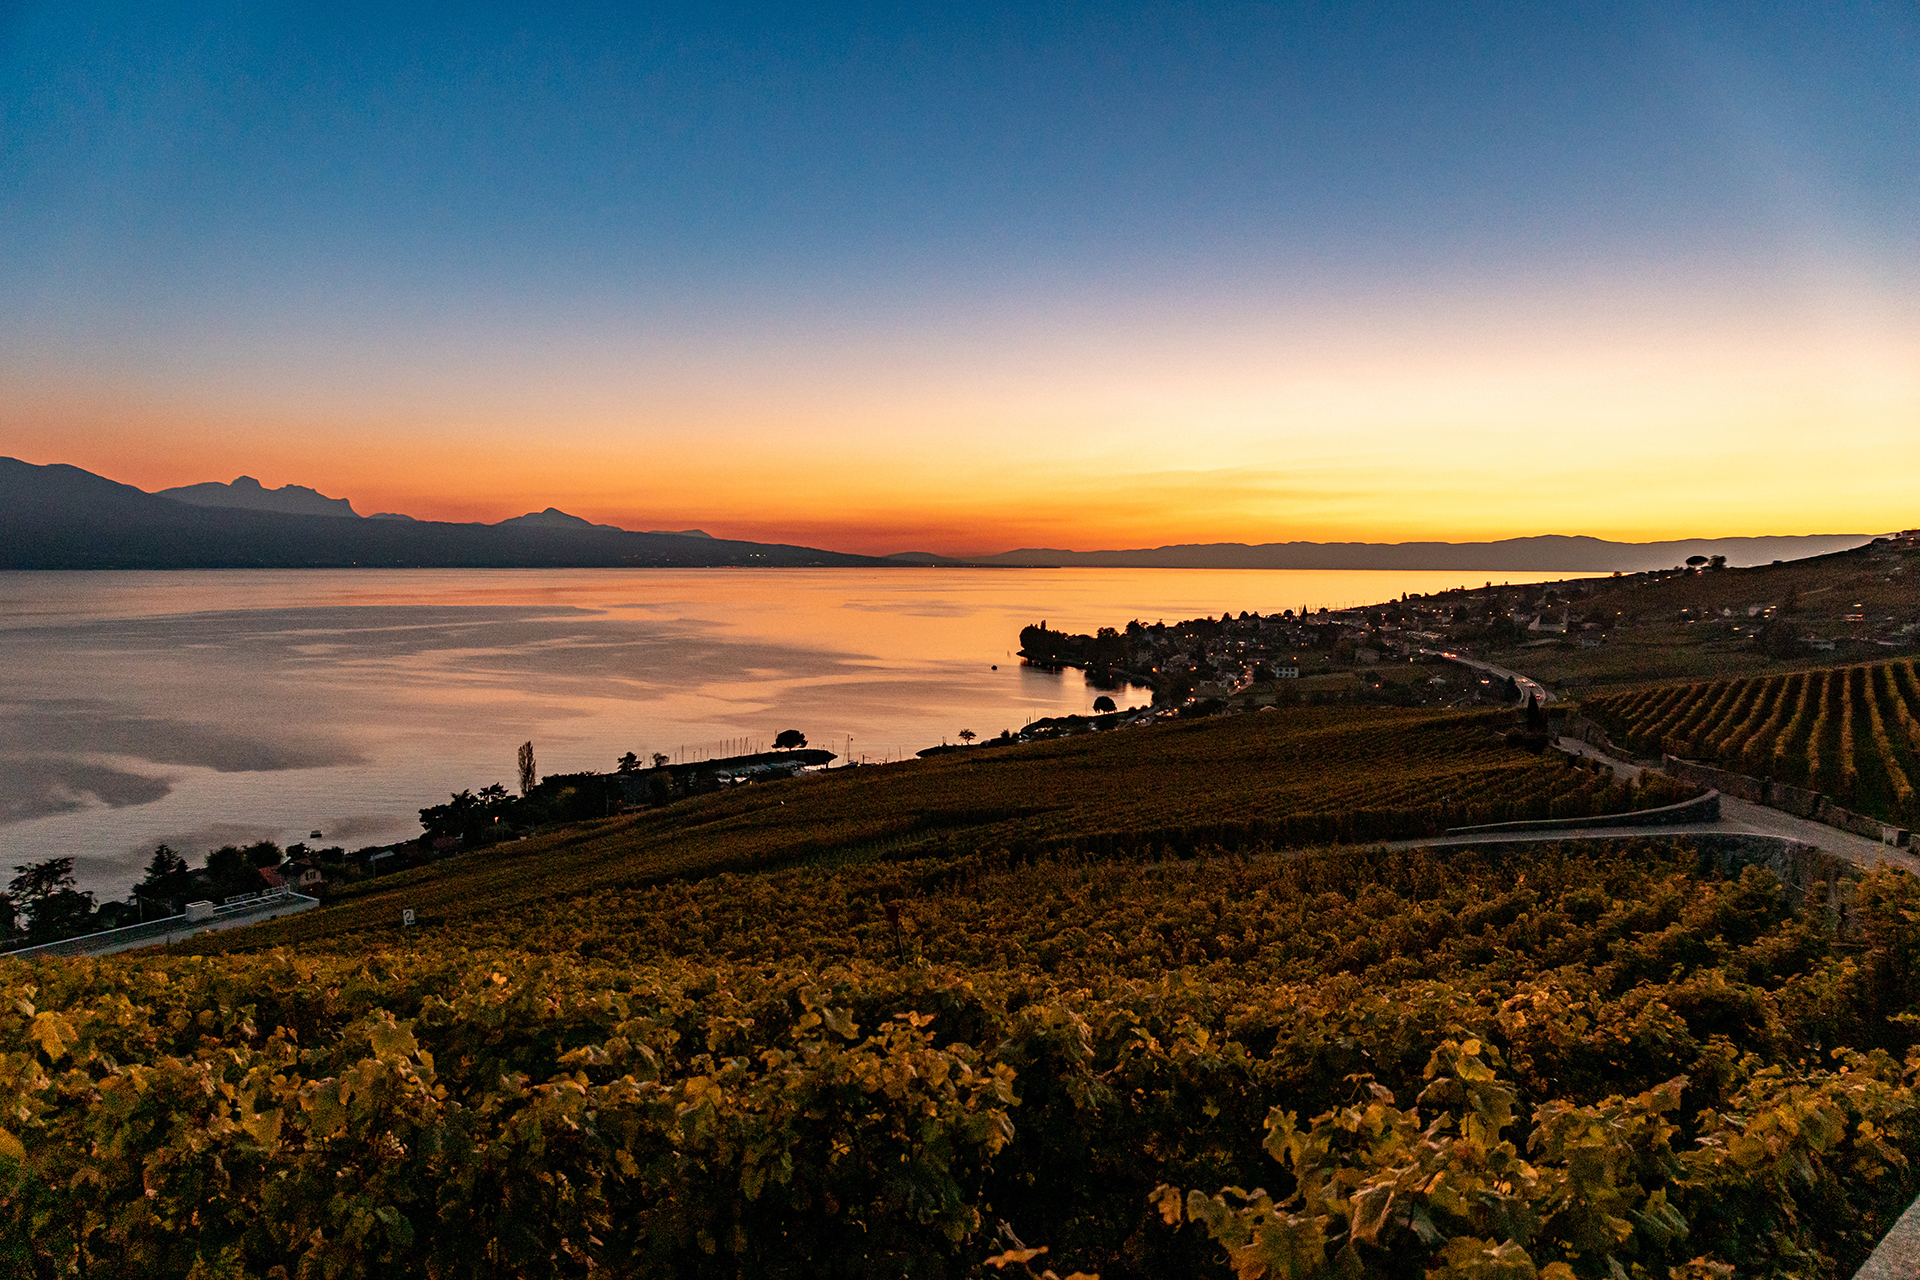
(1527, 684)
(156, 933)
(1737, 817)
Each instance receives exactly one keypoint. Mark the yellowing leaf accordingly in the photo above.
(53, 1033)
(1000, 1260)
(389, 1038)
(10, 1148)
(264, 1128)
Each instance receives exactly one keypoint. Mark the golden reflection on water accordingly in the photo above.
(200, 707)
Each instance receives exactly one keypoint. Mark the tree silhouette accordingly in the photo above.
(968, 735)
(1103, 703)
(163, 868)
(526, 768)
(54, 908)
(659, 759)
(789, 740)
(628, 763)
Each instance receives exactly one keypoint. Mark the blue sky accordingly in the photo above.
(350, 222)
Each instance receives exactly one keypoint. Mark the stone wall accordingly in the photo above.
(1798, 801)
(1806, 874)
(1704, 808)
(1593, 735)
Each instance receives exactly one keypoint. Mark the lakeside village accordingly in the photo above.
(1399, 653)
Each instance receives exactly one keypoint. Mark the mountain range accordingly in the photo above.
(62, 517)
(1547, 553)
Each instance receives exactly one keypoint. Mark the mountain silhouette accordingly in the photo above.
(63, 517)
(247, 494)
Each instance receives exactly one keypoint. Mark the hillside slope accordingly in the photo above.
(1311, 775)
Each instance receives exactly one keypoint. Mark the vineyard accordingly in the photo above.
(1556, 1063)
(1306, 776)
(1850, 732)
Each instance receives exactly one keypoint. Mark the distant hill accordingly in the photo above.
(62, 517)
(1544, 554)
(248, 494)
(552, 518)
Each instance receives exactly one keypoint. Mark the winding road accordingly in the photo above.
(1526, 684)
(1737, 817)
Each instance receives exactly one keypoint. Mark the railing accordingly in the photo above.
(126, 937)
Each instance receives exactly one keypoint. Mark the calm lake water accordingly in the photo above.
(203, 708)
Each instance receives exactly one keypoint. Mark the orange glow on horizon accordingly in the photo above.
(1126, 441)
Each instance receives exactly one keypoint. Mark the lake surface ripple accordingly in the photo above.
(210, 707)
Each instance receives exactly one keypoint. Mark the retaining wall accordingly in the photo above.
(1592, 734)
(1797, 801)
(1704, 808)
(1806, 874)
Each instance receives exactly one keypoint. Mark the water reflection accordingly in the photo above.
(200, 707)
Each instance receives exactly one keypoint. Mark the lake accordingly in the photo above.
(203, 708)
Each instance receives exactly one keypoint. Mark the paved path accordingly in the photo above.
(1737, 817)
(1746, 817)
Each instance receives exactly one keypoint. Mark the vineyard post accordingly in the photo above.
(893, 918)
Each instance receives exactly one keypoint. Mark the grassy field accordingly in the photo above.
(1295, 777)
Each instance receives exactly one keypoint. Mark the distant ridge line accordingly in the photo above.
(63, 517)
(1541, 553)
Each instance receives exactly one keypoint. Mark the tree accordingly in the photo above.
(789, 740)
(1781, 638)
(232, 870)
(968, 735)
(1694, 562)
(526, 769)
(45, 892)
(628, 763)
(38, 879)
(659, 759)
(1103, 703)
(167, 882)
(165, 867)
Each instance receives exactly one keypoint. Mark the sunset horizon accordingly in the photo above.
(966, 282)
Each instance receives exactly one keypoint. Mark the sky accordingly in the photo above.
(963, 278)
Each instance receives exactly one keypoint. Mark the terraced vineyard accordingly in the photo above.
(1305, 776)
(1573, 1065)
(1851, 732)
(908, 1021)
